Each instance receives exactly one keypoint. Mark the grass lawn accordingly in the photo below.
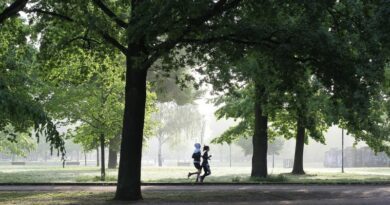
(155, 197)
(51, 174)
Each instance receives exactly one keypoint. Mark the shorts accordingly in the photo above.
(197, 165)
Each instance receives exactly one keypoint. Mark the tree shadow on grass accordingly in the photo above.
(168, 196)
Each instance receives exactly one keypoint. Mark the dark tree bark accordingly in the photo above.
(129, 174)
(12, 10)
(300, 143)
(112, 158)
(260, 138)
(103, 165)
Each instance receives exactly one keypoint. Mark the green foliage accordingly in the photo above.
(19, 104)
(274, 146)
(90, 95)
(316, 62)
(176, 122)
(20, 144)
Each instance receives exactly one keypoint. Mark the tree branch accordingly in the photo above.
(103, 34)
(231, 38)
(83, 38)
(12, 10)
(110, 13)
(112, 41)
(218, 8)
(50, 13)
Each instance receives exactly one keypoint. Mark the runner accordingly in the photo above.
(196, 156)
(205, 163)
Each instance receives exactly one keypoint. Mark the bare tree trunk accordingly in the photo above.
(273, 160)
(129, 174)
(85, 158)
(260, 138)
(97, 156)
(300, 143)
(103, 165)
(159, 157)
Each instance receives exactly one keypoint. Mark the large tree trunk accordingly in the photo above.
(129, 174)
(159, 157)
(300, 143)
(260, 139)
(103, 166)
(112, 158)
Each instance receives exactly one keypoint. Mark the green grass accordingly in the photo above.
(46, 174)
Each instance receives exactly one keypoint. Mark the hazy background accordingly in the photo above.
(181, 149)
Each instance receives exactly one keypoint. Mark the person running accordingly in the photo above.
(205, 163)
(196, 156)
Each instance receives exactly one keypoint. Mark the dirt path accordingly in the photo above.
(240, 194)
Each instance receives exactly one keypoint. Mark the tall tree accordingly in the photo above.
(144, 31)
(175, 122)
(301, 38)
(20, 144)
(93, 100)
(20, 105)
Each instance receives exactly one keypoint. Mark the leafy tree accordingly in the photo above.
(301, 39)
(95, 102)
(306, 112)
(144, 31)
(274, 147)
(173, 122)
(287, 32)
(19, 106)
(20, 145)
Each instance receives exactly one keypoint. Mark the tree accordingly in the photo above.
(19, 105)
(304, 43)
(94, 102)
(147, 31)
(174, 121)
(20, 144)
(274, 147)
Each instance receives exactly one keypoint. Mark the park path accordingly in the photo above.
(253, 194)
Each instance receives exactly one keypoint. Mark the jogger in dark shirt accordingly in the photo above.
(205, 163)
(196, 156)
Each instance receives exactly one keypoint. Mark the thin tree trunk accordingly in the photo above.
(159, 157)
(273, 160)
(97, 156)
(129, 174)
(85, 158)
(103, 166)
(260, 139)
(300, 143)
